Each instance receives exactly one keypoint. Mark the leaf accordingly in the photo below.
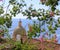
(52, 31)
(56, 25)
(55, 28)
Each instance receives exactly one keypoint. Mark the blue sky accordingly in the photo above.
(29, 2)
(36, 5)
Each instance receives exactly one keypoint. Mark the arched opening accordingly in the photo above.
(18, 37)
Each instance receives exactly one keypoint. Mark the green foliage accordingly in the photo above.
(51, 3)
(12, 2)
(35, 30)
(45, 17)
(1, 10)
(17, 46)
(3, 30)
(24, 46)
(59, 20)
(2, 21)
(8, 20)
(7, 14)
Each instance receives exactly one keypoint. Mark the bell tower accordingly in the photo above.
(19, 32)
